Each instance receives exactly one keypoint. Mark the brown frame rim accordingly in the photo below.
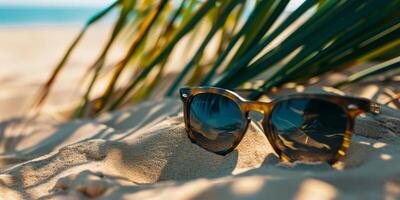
(353, 106)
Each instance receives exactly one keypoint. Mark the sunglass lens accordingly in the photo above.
(308, 129)
(216, 122)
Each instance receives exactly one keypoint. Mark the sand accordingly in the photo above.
(142, 151)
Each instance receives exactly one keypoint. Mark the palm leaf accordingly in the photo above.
(218, 24)
(318, 37)
(200, 13)
(372, 71)
(142, 32)
(45, 89)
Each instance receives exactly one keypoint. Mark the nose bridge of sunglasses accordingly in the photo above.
(257, 106)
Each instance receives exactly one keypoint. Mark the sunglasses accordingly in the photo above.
(300, 127)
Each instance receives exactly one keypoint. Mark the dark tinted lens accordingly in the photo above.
(309, 129)
(216, 122)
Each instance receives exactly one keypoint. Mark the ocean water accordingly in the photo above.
(37, 15)
(22, 15)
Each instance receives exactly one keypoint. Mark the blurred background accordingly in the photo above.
(34, 35)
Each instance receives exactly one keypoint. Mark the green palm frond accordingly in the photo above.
(257, 40)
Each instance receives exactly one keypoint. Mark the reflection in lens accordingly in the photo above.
(216, 122)
(309, 129)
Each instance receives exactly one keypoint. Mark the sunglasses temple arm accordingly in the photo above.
(255, 94)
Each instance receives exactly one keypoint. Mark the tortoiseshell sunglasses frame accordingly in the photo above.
(353, 106)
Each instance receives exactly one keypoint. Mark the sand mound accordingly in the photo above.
(143, 152)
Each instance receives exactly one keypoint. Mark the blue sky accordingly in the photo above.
(97, 3)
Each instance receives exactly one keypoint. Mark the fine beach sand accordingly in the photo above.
(142, 151)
